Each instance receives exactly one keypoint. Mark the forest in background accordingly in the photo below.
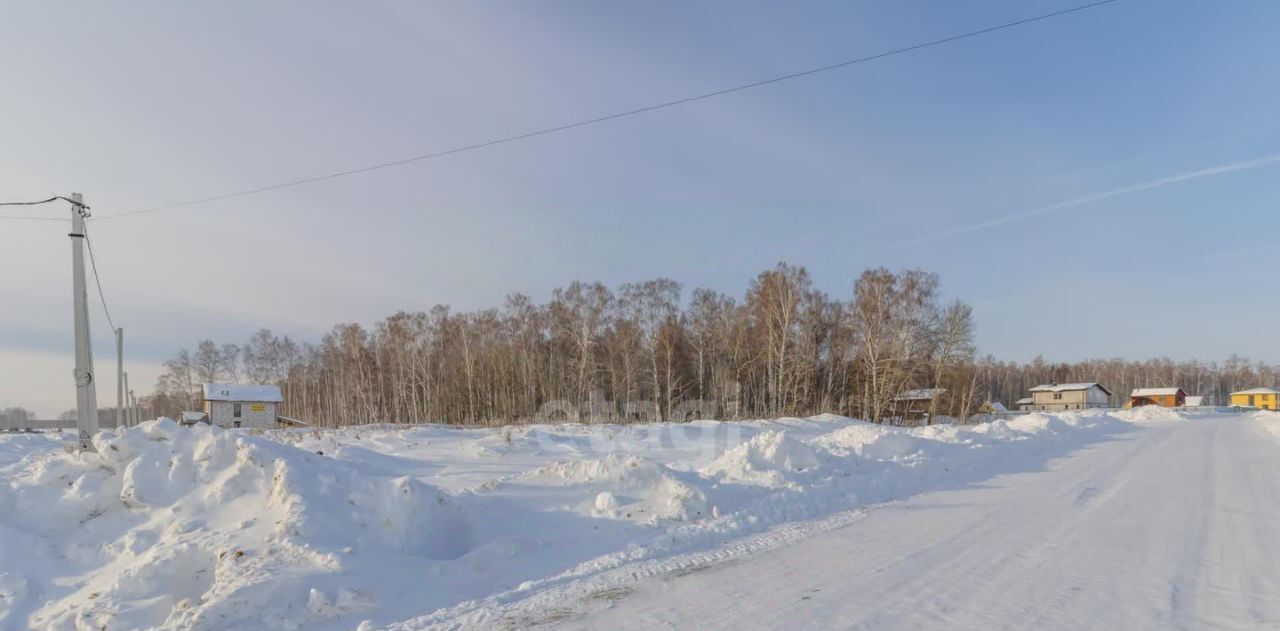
(643, 353)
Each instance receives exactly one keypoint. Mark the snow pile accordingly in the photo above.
(626, 487)
(1039, 422)
(870, 441)
(765, 460)
(203, 528)
(1269, 421)
(1151, 413)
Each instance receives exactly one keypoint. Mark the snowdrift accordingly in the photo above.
(626, 487)
(201, 528)
(383, 527)
(766, 460)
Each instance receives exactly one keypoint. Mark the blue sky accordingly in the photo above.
(151, 103)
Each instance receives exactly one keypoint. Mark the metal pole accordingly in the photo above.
(120, 378)
(86, 395)
(134, 412)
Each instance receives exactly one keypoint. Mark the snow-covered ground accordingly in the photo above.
(825, 521)
(1172, 526)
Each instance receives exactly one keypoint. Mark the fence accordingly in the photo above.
(14, 425)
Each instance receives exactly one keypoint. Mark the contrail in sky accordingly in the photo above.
(1094, 197)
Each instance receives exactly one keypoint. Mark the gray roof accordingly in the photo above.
(1069, 387)
(242, 392)
(924, 394)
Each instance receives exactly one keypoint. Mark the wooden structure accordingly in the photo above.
(1262, 398)
(192, 417)
(1163, 397)
(1069, 396)
(914, 404)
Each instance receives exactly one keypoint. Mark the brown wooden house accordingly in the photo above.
(1163, 397)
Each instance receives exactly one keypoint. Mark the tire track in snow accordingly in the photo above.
(575, 593)
(1032, 557)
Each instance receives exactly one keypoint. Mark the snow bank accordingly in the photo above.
(201, 528)
(766, 460)
(1268, 421)
(1149, 413)
(875, 442)
(626, 487)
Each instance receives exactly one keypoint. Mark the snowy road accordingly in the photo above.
(1173, 525)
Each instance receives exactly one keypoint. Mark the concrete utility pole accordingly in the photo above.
(120, 422)
(86, 396)
(126, 395)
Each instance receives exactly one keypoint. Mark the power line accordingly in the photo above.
(93, 263)
(26, 218)
(35, 203)
(609, 117)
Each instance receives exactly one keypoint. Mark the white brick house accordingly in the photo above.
(232, 405)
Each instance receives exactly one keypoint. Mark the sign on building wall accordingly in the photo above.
(258, 407)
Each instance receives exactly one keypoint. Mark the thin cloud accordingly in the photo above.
(1092, 198)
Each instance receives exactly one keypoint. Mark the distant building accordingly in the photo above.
(1025, 405)
(191, 417)
(1163, 397)
(988, 411)
(1197, 401)
(915, 404)
(287, 422)
(237, 405)
(1069, 396)
(1264, 398)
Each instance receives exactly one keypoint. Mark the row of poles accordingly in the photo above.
(127, 410)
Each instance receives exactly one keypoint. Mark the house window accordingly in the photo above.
(235, 411)
(237, 423)
(1057, 395)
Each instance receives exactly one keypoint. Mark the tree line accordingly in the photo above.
(637, 352)
(642, 352)
(16, 414)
